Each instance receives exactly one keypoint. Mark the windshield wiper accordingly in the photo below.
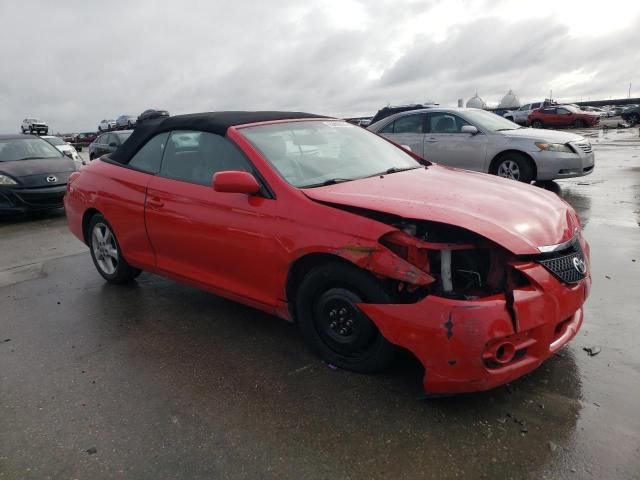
(394, 170)
(503, 129)
(331, 181)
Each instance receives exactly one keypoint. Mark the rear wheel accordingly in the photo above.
(537, 124)
(515, 166)
(333, 325)
(106, 253)
(634, 119)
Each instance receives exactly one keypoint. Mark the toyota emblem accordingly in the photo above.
(579, 265)
(51, 179)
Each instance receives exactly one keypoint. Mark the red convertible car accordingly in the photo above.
(362, 244)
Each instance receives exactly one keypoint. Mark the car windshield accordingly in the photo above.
(489, 121)
(55, 141)
(315, 153)
(26, 149)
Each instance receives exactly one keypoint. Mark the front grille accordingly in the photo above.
(585, 147)
(41, 199)
(565, 265)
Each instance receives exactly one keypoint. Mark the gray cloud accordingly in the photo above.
(76, 62)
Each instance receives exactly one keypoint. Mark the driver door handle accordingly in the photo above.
(155, 202)
(431, 140)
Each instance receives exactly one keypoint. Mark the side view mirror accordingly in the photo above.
(68, 154)
(470, 129)
(407, 148)
(235, 181)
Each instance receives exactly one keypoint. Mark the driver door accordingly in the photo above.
(225, 241)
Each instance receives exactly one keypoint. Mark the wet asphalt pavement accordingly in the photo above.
(157, 380)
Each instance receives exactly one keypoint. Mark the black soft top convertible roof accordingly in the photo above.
(213, 122)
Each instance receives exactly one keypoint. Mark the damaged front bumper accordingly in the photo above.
(474, 345)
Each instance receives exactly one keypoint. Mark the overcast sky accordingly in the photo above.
(75, 62)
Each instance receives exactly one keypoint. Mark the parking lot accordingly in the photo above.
(159, 380)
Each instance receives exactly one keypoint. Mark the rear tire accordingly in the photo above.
(332, 325)
(515, 166)
(634, 119)
(106, 253)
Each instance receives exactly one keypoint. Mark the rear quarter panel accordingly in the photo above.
(119, 194)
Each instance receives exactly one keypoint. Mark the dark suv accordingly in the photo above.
(631, 115)
(390, 110)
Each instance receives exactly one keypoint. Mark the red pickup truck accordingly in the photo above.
(562, 116)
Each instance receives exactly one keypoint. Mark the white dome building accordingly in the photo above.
(476, 102)
(509, 101)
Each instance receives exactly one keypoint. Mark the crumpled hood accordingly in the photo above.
(516, 216)
(541, 135)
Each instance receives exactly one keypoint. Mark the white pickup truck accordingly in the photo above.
(521, 115)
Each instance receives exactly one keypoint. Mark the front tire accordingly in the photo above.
(537, 124)
(579, 124)
(514, 166)
(332, 324)
(106, 253)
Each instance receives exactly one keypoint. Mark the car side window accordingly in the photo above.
(548, 110)
(562, 111)
(525, 107)
(388, 128)
(534, 106)
(444, 123)
(194, 157)
(410, 124)
(149, 157)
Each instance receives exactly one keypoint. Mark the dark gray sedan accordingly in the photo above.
(33, 174)
(107, 143)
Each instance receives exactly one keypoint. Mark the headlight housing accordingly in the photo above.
(5, 180)
(554, 147)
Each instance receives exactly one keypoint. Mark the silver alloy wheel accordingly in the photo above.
(104, 248)
(509, 169)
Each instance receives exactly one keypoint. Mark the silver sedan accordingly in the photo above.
(478, 140)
